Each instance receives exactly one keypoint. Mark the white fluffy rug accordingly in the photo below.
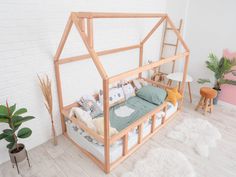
(162, 162)
(197, 133)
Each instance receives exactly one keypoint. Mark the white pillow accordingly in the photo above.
(128, 91)
(137, 84)
(83, 116)
(99, 124)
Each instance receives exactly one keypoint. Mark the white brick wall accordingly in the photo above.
(29, 34)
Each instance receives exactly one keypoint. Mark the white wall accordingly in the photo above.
(210, 28)
(29, 35)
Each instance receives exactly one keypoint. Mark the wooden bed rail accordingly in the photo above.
(137, 123)
(146, 67)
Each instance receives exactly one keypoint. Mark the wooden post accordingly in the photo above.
(184, 78)
(59, 92)
(106, 124)
(125, 144)
(140, 58)
(140, 133)
(153, 123)
(90, 31)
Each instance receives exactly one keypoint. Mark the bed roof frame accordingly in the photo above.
(80, 19)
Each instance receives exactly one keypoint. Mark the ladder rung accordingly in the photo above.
(170, 44)
(168, 28)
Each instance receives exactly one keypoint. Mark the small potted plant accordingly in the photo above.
(14, 118)
(220, 67)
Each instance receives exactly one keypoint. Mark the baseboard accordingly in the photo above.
(223, 103)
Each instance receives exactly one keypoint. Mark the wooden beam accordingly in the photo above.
(106, 124)
(82, 24)
(177, 34)
(59, 93)
(63, 39)
(140, 58)
(125, 144)
(100, 53)
(140, 133)
(184, 74)
(146, 67)
(118, 15)
(90, 31)
(153, 30)
(159, 84)
(153, 123)
(91, 51)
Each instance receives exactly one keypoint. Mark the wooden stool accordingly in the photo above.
(206, 101)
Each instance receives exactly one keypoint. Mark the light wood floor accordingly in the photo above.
(66, 160)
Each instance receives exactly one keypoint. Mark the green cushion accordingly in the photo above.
(152, 94)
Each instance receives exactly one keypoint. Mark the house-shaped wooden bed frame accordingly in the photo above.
(80, 19)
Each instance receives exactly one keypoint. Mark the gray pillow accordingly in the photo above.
(90, 105)
(152, 94)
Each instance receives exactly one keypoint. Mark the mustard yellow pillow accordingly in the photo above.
(173, 95)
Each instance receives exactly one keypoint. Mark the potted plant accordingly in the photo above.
(14, 118)
(220, 67)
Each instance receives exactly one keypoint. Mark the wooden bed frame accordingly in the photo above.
(80, 19)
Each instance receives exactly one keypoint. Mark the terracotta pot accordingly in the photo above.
(18, 156)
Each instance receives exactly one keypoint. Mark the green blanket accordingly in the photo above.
(140, 106)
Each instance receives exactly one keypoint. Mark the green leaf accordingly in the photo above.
(4, 120)
(12, 109)
(3, 111)
(24, 133)
(202, 81)
(10, 139)
(8, 132)
(19, 120)
(20, 111)
(16, 128)
(227, 81)
(213, 62)
(11, 145)
(2, 136)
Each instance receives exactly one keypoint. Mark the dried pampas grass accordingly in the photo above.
(46, 88)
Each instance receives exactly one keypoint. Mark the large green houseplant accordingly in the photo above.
(14, 118)
(220, 67)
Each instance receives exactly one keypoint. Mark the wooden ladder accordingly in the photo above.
(165, 44)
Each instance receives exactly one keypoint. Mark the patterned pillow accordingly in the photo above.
(128, 91)
(90, 105)
(116, 96)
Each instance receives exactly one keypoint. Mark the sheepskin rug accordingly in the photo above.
(162, 162)
(196, 133)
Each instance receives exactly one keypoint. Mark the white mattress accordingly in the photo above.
(116, 149)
